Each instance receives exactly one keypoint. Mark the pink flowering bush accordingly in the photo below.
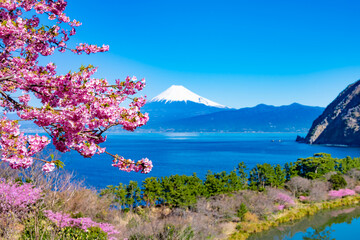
(285, 199)
(63, 220)
(280, 207)
(341, 193)
(76, 109)
(17, 198)
(304, 199)
(17, 203)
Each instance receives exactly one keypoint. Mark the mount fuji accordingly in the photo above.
(177, 102)
(177, 109)
(178, 93)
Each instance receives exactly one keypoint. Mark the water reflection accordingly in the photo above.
(319, 235)
(327, 225)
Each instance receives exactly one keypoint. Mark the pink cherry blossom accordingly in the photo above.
(48, 167)
(17, 198)
(280, 207)
(77, 109)
(304, 198)
(144, 165)
(64, 220)
(341, 193)
(285, 199)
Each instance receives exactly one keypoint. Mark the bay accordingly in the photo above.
(186, 153)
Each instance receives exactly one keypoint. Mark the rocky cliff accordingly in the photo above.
(339, 124)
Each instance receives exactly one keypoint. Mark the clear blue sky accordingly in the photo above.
(238, 53)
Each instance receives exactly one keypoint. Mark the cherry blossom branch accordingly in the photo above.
(10, 99)
(7, 78)
(76, 108)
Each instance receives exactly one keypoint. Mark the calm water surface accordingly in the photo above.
(341, 224)
(182, 153)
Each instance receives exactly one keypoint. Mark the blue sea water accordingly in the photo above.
(186, 153)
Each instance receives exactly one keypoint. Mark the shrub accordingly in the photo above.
(337, 181)
(16, 197)
(251, 217)
(64, 221)
(298, 185)
(79, 199)
(168, 232)
(92, 233)
(328, 175)
(285, 199)
(318, 190)
(303, 198)
(6, 172)
(259, 203)
(280, 207)
(241, 211)
(171, 232)
(354, 173)
(16, 202)
(56, 180)
(279, 196)
(341, 193)
(351, 182)
(35, 229)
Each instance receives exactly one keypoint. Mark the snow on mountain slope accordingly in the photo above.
(178, 93)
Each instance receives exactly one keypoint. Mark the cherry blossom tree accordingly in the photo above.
(77, 109)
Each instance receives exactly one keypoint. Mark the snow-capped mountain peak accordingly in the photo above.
(178, 93)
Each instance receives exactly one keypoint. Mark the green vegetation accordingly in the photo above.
(319, 165)
(183, 191)
(266, 175)
(169, 232)
(305, 177)
(241, 211)
(337, 181)
(92, 233)
(187, 207)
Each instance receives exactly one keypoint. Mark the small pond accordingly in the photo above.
(339, 224)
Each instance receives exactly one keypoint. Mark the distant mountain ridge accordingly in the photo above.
(161, 111)
(339, 124)
(177, 109)
(261, 118)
